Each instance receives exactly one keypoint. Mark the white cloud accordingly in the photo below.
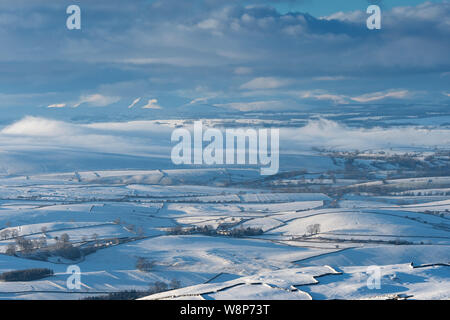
(57, 105)
(446, 94)
(345, 99)
(135, 101)
(32, 133)
(254, 106)
(96, 100)
(208, 95)
(39, 127)
(330, 78)
(352, 16)
(208, 24)
(330, 134)
(262, 83)
(375, 96)
(199, 100)
(152, 104)
(322, 95)
(199, 95)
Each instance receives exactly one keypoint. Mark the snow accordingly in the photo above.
(140, 208)
(396, 281)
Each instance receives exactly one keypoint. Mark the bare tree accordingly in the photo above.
(63, 241)
(313, 229)
(175, 284)
(159, 286)
(11, 249)
(143, 264)
(24, 244)
(176, 230)
(5, 234)
(42, 242)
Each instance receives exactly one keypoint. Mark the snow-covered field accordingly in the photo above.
(188, 225)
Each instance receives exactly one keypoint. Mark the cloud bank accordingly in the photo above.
(39, 143)
(159, 48)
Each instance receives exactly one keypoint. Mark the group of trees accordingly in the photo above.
(63, 247)
(8, 234)
(206, 230)
(211, 231)
(26, 275)
(26, 246)
(245, 232)
(429, 193)
(154, 288)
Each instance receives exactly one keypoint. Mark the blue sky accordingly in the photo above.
(150, 59)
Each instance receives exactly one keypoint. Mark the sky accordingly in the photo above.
(321, 8)
(143, 59)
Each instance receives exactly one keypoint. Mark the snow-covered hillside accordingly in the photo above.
(213, 233)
